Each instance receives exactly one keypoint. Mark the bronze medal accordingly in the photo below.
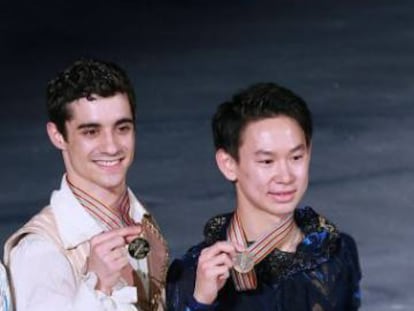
(243, 262)
(139, 248)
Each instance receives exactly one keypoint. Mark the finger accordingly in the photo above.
(130, 238)
(122, 232)
(220, 272)
(117, 253)
(116, 263)
(217, 248)
(105, 247)
(222, 259)
(225, 275)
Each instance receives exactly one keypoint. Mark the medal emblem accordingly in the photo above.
(243, 262)
(139, 248)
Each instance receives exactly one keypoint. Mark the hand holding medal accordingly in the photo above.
(107, 257)
(213, 270)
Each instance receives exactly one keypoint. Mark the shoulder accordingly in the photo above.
(34, 257)
(215, 228)
(348, 250)
(323, 240)
(36, 249)
(348, 242)
(41, 225)
(37, 252)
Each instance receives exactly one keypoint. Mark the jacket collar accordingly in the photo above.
(320, 241)
(74, 223)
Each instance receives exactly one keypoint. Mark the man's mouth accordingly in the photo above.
(108, 163)
(282, 196)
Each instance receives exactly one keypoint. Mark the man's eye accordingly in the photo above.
(124, 128)
(90, 132)
(297, 157)
(266, 161)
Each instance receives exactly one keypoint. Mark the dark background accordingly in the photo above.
(351, 60)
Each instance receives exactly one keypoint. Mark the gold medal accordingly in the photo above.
(243, 262)
(139, 248)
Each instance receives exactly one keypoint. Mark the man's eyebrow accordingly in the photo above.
(88, 125)
(300, 147)
(297, 148)
(124, 120)
(264, 152)
(97, 125)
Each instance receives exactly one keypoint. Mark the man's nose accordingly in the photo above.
(283, 173)
(109, 143)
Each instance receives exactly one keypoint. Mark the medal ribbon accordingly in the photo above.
(103, 213)
(111, 220)
(258, 250)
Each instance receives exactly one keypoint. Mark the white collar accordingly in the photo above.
(75, 224)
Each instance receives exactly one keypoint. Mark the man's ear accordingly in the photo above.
(55, 136)
(227, 165)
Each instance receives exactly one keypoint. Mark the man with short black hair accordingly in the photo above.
(270, 253)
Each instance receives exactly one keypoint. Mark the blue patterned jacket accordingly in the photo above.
(323, 275)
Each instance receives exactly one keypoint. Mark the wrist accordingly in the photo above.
(195, 305)
(202, 299)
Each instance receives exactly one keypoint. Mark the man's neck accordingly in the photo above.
(257, 223)
(111, 198)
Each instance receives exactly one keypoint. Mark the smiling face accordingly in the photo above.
(271, 174)
(100, 143)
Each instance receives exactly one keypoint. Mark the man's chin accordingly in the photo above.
(113, 184)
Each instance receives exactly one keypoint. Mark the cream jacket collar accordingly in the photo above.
(74, 223)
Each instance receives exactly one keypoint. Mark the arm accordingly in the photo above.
(5, 301)
(108, 257)
(43, 280)
(354, 271)
(180, 287)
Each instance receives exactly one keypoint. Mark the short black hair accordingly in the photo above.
(83, 79)
(257, 102)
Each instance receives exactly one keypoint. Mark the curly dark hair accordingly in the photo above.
(257, 102)
(85, 78)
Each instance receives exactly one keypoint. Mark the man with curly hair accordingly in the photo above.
(270, 253)
(74, 254)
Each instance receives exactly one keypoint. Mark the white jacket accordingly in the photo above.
(44, 277)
